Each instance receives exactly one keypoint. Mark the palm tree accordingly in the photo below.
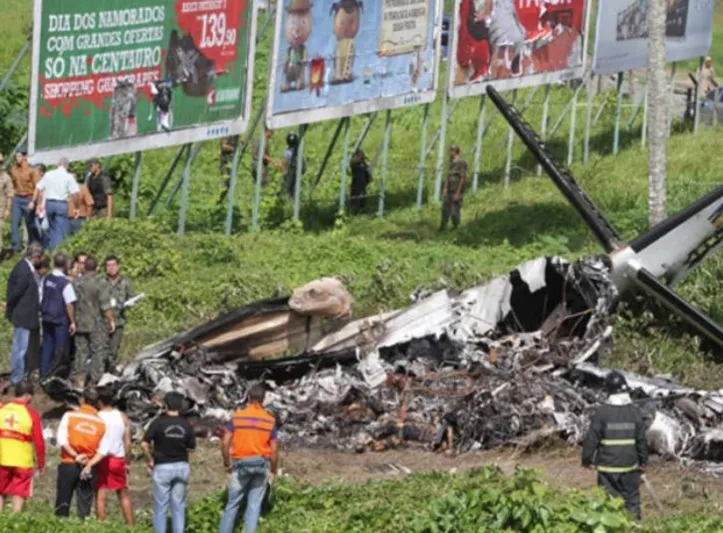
(657, 115)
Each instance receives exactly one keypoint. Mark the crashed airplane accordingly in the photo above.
(509, 362)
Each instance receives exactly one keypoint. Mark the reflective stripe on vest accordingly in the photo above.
(618, 442)
(616, 469)
(16, 436)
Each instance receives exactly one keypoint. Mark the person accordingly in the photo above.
(454, 188)
(166, 445)
(228, 148)
(615, 444)
(21, 432)
(6, 198)
(55, 190)
(23, 308)
(57, 312)
(77, 268)
(290, 162)
(24, 179)
(101, 189)
(83, 444)
(93, 324)
(120, 291)
(113, 469)
(708, 81)
(250, 442)
(361, 175)
(40, 219)
(267, 159)
(81, 209)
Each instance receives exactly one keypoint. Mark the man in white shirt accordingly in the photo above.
(56, 188)
(57, 314)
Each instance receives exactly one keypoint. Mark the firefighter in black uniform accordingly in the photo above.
(615, 444)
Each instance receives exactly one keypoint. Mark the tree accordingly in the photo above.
(657, 115)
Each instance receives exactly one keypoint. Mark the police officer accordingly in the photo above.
(101, 189)
(454, 188)
(120, 291)
(615, 444)
(94, 324)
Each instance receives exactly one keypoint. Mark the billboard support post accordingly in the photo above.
(571, 136)
(327, 155)
(422, 156)
(136, 184)
(437, 134)
(644, 133)
(16, 63)
(478, 143)
(510, 141)
(344, 164)
(588, 121)
(696, 99)
(618, 109)
(636, 109)
(671, 98)
(237, 153)
(440, 150)
(185, 180)
(299, 168)
(545, 119)
(192, 155)
(258, 183)
(168, 177)
(385, 159)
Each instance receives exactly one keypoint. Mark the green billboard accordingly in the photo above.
(113, 76)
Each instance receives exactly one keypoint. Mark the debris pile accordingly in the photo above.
(509, 362)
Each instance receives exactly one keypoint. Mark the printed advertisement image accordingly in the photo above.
(338, 58)
(515, 43)
(112, 76)
(621, 41)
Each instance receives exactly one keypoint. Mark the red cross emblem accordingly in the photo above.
(10, 421)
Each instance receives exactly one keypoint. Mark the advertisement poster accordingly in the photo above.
(515, 43)
(621, 38)
(112, 76)
(340, 58)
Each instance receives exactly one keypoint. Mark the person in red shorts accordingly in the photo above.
(20, 431)
(113, 469)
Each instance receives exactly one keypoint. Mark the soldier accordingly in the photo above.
(93, 322)
(228, 147)
(101, 189)
(6, 197)
(454, 188)
(120, 291)
(616, 446)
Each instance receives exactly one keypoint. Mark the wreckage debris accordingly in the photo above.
(509, 362)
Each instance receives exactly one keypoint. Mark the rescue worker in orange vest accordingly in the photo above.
(83, 444)
(20, 431)
(250, 442)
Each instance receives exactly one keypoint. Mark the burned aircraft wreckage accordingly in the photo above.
(509, 362)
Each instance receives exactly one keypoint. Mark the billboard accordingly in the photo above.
(345, 57)
(112, 76)
(515, 43)
(621, 38)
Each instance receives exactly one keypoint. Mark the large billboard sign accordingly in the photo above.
(515, 43)
(621, 38)
(112, 76)
(339, 58)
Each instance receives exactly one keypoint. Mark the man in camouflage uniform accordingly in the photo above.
(454, 188)
(93, 322)
(101, 189)
(120, 291)
(6, 198)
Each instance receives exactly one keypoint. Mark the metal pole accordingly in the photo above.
(259, 183)
(671, 98)
(636, 110)
(344, 165)
(599, 112)
(186, 180)
(588, 122)
(568, 106)
(618, 107)
(299, 168)
(385, 158)
(696, 100)
(9, 74)
(440, 151)
(422, 157)
(571, 137)
(545, 117)
(192, 155)
(510, 140)
(521, 111)
(168, 177)
(435, 139)
(136, 184)
(478, 143)
(644, 133)
(232, 186)
(327, 155)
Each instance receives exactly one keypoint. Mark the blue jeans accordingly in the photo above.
(248, 478)
(21, 341)
(170, 481)
(57, 213)
(20, 213)
(76, 224)
(56, 345)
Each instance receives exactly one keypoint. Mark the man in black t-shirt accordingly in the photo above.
(166, 445)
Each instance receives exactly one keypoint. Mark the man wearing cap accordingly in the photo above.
(454, 188)
(101, 189)
(6, 197)
(56, 188)
(24, 179)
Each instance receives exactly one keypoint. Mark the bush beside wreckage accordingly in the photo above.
(509, 362)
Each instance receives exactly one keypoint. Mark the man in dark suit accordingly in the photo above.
(23, 307)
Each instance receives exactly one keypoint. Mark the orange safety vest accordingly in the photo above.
(253, 430)
(16, 436)
(85, 431)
